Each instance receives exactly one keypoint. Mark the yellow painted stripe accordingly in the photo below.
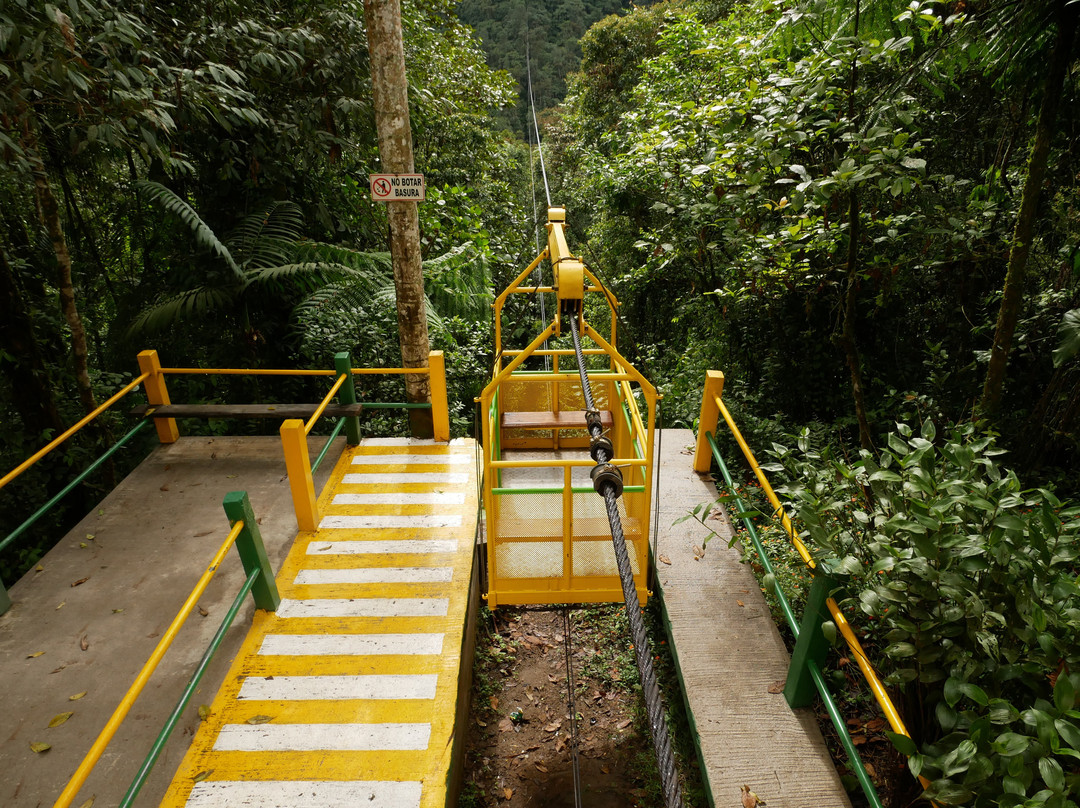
(280, 723)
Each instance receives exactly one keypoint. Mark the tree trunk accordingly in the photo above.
(847, 336)
(24, 367)
(1012, 295)
(390, 90)
(50, 217)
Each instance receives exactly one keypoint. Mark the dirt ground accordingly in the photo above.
(519, 744)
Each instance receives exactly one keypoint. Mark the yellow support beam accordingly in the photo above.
(298, 467)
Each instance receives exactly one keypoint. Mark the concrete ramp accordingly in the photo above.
(730, 654)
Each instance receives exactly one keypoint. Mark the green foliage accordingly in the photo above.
(967, 584)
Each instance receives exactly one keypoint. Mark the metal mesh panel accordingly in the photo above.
(593, 553)
(521, 517)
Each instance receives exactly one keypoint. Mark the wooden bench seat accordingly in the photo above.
(567, 419)
(280, 411)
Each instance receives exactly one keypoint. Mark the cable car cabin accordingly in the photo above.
(548, 534)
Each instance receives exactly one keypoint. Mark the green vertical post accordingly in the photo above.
(812, 644)
(5, 599)
(347, 395)
(252, 552)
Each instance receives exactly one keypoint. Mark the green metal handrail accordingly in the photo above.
(810, 665)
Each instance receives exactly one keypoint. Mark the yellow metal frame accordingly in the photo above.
(712, 409)
(512, 389)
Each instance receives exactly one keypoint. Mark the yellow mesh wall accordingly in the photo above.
(519, 518)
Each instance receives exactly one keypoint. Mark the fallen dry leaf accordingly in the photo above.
(59, 719)
(84, 643)
(740, 603)
(82, 545)
(508, 793)
(40, 747)
(480, 723)
(34, 655)
(81, 581)
(506, 725)
(494, 702)
(750, 799)
(89, 803)
(553, 726)
(203, 612)
(699, 553)
(540, 766)
(117, 611)
(39, 568)
(204, 533)
(663, 558)
(624, 723)
(77, 696)
(777, 687)
(198, 778)
(204, 712)
(605, 769)
(260, 719)
(57, 670)
(529, 696)
(552, 678)
(61, 606)
(166, 488)
(560, 744)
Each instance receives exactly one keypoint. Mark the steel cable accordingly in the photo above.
(654, 705)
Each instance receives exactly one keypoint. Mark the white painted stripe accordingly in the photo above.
(363, 607)
(411, 459)
(351, 644)
(414, 546)
(339, 688)
(413, 477)
(304, 794)
(372, 522)
(321, 737)
(377, 575)
(401, 498)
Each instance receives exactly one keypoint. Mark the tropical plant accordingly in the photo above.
(968, 584)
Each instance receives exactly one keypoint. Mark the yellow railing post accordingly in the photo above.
(298, 467)
(157, 393)
(710, 414)
(440, 411)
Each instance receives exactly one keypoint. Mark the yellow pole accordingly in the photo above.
(19, 469)
(76, 782)
(298, 467)
(324, 403)
(157, 394)
(710, 413)
(440, 410)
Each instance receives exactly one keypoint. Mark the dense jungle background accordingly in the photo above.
(866, 213)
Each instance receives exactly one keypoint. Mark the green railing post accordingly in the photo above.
(252, 552)
(811, 646)
(347, 395)
(5, 599)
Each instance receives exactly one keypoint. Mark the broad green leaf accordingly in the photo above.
(1010, 743)
(1052, 774)
(952, 691)
(1068, 338)
(1001, 712)
(1069, 732)
(975, 693)
(904, 745)
(1064, 693)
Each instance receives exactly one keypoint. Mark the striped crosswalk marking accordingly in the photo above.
(347, 694)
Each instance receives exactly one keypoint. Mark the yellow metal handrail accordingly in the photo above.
(83, 771)
(34, 458)
(324, 403)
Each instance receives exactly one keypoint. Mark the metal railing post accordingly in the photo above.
(710, 414)
(157, 394)
(440, 412)
(812, 645)
(252, 550)
(347, 395)
(298, 467)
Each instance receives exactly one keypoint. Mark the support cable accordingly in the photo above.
(536, 126)
(570, 688)
(607, 480)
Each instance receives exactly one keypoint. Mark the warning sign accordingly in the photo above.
(397, 187)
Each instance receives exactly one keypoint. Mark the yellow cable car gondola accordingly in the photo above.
(548, 534)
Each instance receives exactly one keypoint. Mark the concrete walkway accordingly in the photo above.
(729, 654)
(114, 584)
